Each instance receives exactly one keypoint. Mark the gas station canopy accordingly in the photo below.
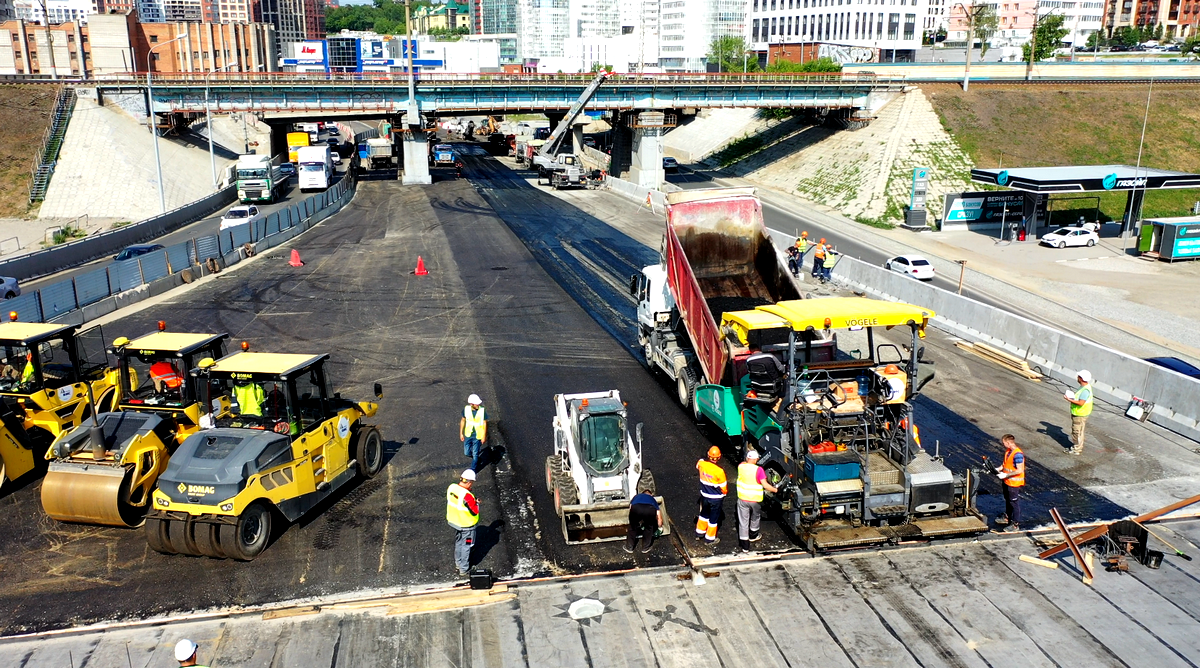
(1085, 178)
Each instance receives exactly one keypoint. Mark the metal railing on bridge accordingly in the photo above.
(167, 79)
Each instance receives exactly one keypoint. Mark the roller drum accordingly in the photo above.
(89, 493)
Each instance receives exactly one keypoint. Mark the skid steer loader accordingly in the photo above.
(596, 468)
(47, 374)
(104, 470)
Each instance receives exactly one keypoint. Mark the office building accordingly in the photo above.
(294, 20)
(60, 11)
(887, 28)
(542, 28)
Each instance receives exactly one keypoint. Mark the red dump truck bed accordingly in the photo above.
(720, 257)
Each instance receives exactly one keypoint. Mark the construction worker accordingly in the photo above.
(249, 398)
(462, 513)
(27, 372)
(802, 243)
(472, 429)
(1081, 408)
(645, 519)
(164, 374)
(751, 482)
(827, 263)
(713, 488)
(1012, 474)
(185, 653)
(818, 258)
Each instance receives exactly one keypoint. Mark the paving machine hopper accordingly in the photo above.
(47, 373)
(104, 472)
(596, 468)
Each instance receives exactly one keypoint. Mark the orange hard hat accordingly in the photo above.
(714, 453)
(804, 233)
(891, 368)
(822, 239)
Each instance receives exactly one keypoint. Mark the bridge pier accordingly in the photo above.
(416, 158)
(646, 167)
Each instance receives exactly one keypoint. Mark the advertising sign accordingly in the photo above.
(373, 52)
(310, 53)
(919, 187)
(984, 207)
(1187, 241)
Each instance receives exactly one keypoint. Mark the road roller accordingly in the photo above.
(47, 374)
(102, 472)
(283, 445)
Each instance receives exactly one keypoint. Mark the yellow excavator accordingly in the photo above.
(48, 383)
(104, 470)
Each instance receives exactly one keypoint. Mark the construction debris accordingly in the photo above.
(1083, 564)
(1040, 562)
(1096, 532)
(1010, 362)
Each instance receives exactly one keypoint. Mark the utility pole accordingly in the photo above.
(50, 40)
(1074, 37)
(970, 13)
(1033, 41)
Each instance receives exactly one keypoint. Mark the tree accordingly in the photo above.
(981, 23)
(818, 65)
(1190, 46)
(1047, 38)
(731, 54)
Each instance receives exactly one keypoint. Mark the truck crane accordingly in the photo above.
(564, 170)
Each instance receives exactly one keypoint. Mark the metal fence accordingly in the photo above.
(71, 294)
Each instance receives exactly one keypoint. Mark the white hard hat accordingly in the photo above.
(185, 649)
(1085, 376)
(474, 400)
(468, 475)
(751, 453)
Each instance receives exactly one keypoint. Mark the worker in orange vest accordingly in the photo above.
(1012, 474)
(713, 488)
(818, 257)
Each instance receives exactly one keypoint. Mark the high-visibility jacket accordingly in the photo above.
(916, 436)
(27, 373)
(713, 484)
(1083, 394)
(476, 423)
(748, 487)
(802, 245)
(1015, 479)
(164, 371)
(249, 398)
(462, 510)
(830, 260)
(819, 251)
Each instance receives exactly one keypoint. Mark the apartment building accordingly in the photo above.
(1179, 18)
(542, 27)
(1016, 19)
(60, 11)
(887, 27)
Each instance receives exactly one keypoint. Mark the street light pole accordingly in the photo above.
(970, 40)
(212, 158)
(49, 40)
(1136, 207)
(162, 197)
(1037, 6)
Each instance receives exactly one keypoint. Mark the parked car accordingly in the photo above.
(1070, 236)
(9, 287)
(911, 265)
(333, 141)
(135, 250)
(1175, 364)
(287, 169)
(240, 215)
(670, 164)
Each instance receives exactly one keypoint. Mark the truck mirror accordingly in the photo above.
(633, 285)
(378, 391)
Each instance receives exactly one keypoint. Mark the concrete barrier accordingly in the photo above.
(636, 192)
(1118, 377)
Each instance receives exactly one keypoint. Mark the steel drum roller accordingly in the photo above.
(87, 492)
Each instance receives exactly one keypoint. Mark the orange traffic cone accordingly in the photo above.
(295, 261)
(421, 271)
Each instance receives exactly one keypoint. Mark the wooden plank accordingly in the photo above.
(617, 637)
(788, 616)
(1055, 632)
(679, 637)
(908, 614)
(983, 626)
(1080, 563)
(853, 623)
(283, 613)
(1038, 562)
(1092, 534)
(493, 636)
(1131, 643)
(550, 640)
(723, 605)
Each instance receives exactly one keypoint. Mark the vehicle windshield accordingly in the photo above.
(127, 253)
(237, 213)
(312, 167)
(293, 147)
(603, 442)
(154, 378)
(256, 404)
(26, 370)
(257, 173)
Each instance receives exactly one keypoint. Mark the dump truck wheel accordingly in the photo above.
(208, 540)
(246, 539)
(646, 483)
(553, 466)
(157, 537)
(685, 384)
(368, 450)
(179, 537)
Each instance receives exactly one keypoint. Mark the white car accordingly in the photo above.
(1070, 236)
(240, 215)
(9, 287)
(912, 265)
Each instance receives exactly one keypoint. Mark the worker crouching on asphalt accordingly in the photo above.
(713, 488)
(1012, 474)
(462, 513)
(472, 429)
(645, 519)
(751, 482)
(1081, 408)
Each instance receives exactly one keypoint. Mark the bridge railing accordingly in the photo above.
(503, 78)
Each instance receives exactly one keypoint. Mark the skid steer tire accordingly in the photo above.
(208, 540)
(157, 537)
(179, 537)
(246, 539)
(553, 466)
(646, 483)
(368, 450)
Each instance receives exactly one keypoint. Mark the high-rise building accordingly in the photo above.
(688, 28)
(60, 11)
(294, 20)
(493, 17)
(887, 29)
(542, 25)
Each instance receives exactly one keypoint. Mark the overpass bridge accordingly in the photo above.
(639, 103)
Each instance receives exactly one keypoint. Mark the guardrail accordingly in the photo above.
(1118, 377)
(499, 78)
(106, 289)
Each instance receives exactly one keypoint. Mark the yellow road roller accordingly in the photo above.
(284, 444)
(46, 372)
(104, 470)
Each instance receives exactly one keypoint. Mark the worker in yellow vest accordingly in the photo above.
(827, 264)
(802, 242)
(1012, 474)
(1081, 408)
(462, 513)
(818, 258)
(713, 488)
(472, 429)
(751, 482)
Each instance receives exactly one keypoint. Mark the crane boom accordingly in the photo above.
(551, 146)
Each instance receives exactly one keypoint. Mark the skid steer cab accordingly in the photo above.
(596, 468)
(103, 473)
(284, 444)
(46, 374)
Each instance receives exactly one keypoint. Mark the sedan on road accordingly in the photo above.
(9, 287)
(670, 164)
(135, 250)
(1070, 236)
(287, 169)
(240, 215)
(911, 265)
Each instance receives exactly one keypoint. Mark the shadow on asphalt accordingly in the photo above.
(486, 537)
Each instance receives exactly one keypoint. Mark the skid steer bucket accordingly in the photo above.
(601, 522)
(93, 493)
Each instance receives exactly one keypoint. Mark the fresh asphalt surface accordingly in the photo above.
(524, 299)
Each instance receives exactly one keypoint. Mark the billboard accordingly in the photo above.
(310, 53)
(984, 207)
(1186, 241)
(373, 52)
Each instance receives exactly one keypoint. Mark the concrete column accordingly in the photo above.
(622, 146)
(577, 137)
(646, 169)
(416, 158)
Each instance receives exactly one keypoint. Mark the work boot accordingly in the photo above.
(713, 541)
(1001, 520)
(755, 536)
(647, 544)
(625, 546)
(1012, 528)
(743, 545)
